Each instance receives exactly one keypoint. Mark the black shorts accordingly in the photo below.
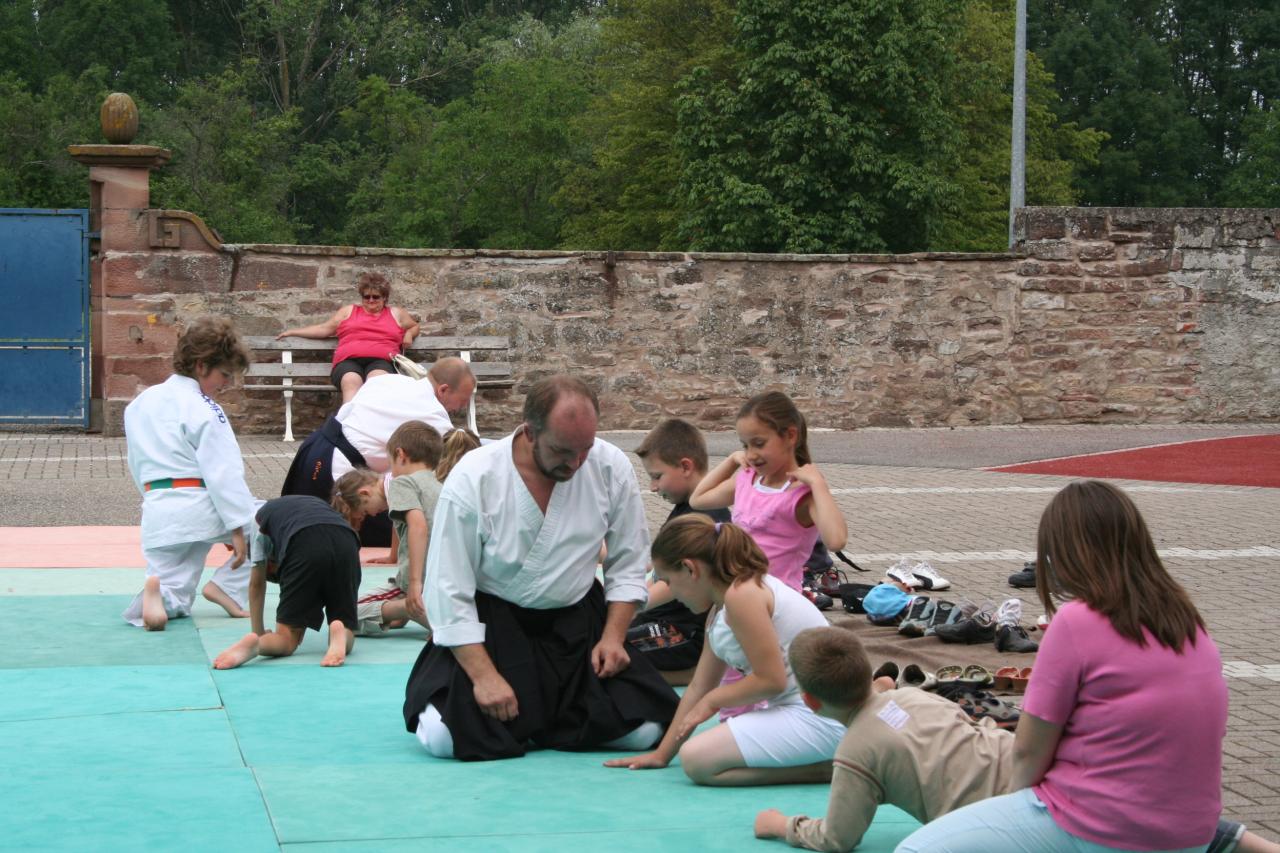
(358, 365)
(320, 577)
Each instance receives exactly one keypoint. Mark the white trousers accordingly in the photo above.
(179, 568)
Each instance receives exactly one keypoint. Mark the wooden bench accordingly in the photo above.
(290, 377)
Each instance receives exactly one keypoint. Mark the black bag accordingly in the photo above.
(851, 595)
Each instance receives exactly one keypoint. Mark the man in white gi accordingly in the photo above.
(528, 647)
(357, 435)
(185, 461)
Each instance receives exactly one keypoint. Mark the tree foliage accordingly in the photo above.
(761, 125)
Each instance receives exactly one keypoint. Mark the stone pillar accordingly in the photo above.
(122, 335)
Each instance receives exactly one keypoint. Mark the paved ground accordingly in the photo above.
(903, 491)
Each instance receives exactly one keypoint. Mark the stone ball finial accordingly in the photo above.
(119, 116)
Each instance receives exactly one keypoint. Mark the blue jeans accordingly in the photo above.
(1013, 822)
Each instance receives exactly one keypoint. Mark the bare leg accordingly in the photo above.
(281, 642)
(244, 650)
(350, 383)
(713, 758)
(341, 642)
(154, 616)
(394, 611)
(1250, 843)
(213, 592)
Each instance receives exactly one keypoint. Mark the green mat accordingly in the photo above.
(71, 692)
(86, 630)
(193, 810)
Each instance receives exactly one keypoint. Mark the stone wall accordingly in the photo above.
(1103, 315)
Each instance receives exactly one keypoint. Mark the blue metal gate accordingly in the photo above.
(44, 317)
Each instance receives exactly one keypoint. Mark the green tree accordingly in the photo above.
(231, 162)
(1254, 181)
(981, 95)
(625, 196)
(832, 136)
(481, 171)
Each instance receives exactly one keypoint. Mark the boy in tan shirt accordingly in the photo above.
(905, 747)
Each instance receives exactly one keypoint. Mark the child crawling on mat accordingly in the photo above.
(314, 555)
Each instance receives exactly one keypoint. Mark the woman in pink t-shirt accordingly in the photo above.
(368, 334)
(1120, 742)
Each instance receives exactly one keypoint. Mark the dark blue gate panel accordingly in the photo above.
(44, 328)
(42, 385)
(42, 274)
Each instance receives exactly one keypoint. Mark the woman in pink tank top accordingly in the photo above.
(368, 335)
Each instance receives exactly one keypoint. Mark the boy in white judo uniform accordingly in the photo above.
(185, 461)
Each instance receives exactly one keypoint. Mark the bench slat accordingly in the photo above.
(480, 369)
(427, 343)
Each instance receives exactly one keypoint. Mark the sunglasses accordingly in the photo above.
(371, 297)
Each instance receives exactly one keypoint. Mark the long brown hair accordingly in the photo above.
(1093, 546)
(776, 411)
(726, 548)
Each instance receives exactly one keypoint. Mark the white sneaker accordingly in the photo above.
(902, 573)
(928, 578)
(1010, 612)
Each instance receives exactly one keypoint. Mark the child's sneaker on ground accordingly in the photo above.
(919, 617)
(901, 572)
(825, 581)
(978, 628)
(1010, 612)
(1013, 638)
(820, 600)
(928, 578)
(1025, 579)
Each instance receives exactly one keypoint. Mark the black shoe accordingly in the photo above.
(1013, 638)
(978, 628)
(919, 617)
(825, 581)
(1025, 579)
(888, 668)
(820, 600)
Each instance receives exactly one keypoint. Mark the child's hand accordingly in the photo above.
(239, 548)
(739, 458)
(648, 761)
(809, 475)
(771, 823)
(696, 716)
(389, 560)
(414, 607)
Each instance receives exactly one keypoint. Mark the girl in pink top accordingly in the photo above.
(368, 335)
(1120, 742)
(778, 495)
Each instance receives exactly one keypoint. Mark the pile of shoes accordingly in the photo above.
(988, 624)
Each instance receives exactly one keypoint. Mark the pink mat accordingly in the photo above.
(91, 548)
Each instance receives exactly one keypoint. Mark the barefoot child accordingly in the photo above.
(414, 450)
(674, 455)
(314, 555)
(708, 564)
(185, 461)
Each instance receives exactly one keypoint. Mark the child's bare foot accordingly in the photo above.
(215, 593)
(245, 649)
(340, 640)
(154, 617)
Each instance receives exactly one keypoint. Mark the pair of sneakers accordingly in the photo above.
(925, 614)
(917, 575)
(1010, 635)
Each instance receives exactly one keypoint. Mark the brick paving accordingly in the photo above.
(1222, 542)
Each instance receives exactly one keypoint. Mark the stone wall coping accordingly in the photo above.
(597, 255)
(127, 156)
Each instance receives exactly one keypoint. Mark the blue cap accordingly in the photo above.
(885, 601)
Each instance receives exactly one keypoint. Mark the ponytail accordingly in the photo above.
(726, 548)
(346, 497)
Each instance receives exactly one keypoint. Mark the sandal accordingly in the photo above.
(976, 675)
(948, 674)
(914, 676)
(1020, 680)
(986, 705)
(1003, 679)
